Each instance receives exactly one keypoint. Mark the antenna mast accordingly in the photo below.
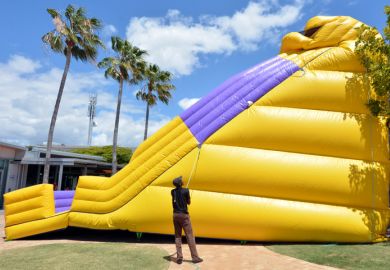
(91, 115)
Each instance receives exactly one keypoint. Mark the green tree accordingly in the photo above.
(374, 53)
(157, 87)
(126, 66)
(123, 153)
(74, 36)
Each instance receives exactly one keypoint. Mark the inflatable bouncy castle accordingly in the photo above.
(284, 151)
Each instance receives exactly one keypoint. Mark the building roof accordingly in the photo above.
(18, 147)
(66, 162)
(33, 156)
(42, 149)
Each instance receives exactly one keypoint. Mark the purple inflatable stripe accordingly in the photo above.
(62, 209)
(61, 194)
(245, 84)
(233, 99)
(63, 200)
(245, 80)
(226, 100)
(202, 102)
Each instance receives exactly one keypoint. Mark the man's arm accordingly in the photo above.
(188, 197)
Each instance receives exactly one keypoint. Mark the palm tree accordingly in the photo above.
(74, 36)
(126, 66)
(158, 86)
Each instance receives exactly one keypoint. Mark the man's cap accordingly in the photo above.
(178, 181)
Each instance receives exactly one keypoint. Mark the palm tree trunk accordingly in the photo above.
(54, 117)
(146, 120)
(114, 144)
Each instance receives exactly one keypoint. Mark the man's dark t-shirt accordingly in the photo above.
(180, 199)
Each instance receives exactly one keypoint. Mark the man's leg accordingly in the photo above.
(177, 223)
(191, 239)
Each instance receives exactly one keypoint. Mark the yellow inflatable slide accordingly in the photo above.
(284, 151)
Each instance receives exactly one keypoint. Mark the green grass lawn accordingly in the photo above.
(375, 256)
(84, 256)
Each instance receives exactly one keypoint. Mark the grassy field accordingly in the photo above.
(84, 256)
(367, 257)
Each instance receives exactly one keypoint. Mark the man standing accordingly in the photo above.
(181, 220)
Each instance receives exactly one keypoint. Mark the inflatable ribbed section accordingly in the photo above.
(30, 211)
(28, 204)
(109, 195)
(232, 97)
(307, 159)
(63, 200)
(283, 151)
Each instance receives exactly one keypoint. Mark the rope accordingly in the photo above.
(200, 146)
(194, 166)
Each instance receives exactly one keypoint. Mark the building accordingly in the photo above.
(23, 166)
(11, 171)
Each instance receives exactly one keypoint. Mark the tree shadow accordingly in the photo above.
(369, 177)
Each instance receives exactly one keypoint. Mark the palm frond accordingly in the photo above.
(79, 54)
(54, 41)
(77, 33)
(159, 82)
(80, 12)
(90, 52)
(152, 99)
(112, 73)
(142, 96)
(106, 62)
(95, 23)
(69, 12)
(54, 13)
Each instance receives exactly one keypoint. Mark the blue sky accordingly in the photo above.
(202, 42)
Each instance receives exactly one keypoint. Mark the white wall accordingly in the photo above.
(13, 177)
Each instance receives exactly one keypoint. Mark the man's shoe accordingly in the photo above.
(179, 260)
(197, 260)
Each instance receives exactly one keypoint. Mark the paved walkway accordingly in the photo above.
(216, 254)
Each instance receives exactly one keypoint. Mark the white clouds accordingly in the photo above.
(185, 103)
(131, 129)
(176, 42)
(27, 99)
(22, 64)
(109, 30)
(257, 20)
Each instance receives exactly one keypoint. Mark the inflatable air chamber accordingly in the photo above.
(284, 151)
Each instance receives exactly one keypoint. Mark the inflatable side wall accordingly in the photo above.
(284, 151)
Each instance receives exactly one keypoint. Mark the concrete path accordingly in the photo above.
(255, 257)
(216, 254)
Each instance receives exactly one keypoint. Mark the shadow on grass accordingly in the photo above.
(172, 258)
(120, 236)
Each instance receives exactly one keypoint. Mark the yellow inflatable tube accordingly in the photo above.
(31, 211)
(284, 151)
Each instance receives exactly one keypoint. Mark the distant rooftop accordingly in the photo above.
(61, 154)
(12, 145)
(63, 147)
(66, 153)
